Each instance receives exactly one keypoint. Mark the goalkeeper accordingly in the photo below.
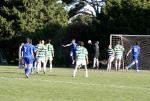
(135, 53)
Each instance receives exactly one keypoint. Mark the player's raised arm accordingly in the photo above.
(129, 52)
(67, 45)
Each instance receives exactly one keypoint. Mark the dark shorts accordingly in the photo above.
(28, 60)
(96, 55)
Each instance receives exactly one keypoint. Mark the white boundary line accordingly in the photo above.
(82, 83)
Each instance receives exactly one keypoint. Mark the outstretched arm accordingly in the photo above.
(129, 52)
(66, 45)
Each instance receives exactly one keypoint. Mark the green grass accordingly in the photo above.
(58, 85)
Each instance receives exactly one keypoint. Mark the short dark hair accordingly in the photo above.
(28, 40)
(137, 43)
(81, 43)
(49, 40)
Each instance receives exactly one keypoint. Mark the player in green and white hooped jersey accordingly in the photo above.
(111, 57)
(50, 53)
(81, 58)
(119, 49)
(41, 56)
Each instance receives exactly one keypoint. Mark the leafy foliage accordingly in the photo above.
(29, 16)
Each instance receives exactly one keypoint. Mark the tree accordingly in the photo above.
(126, 16)
(18, 17)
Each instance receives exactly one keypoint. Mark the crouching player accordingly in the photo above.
(135, 53)
(27, 56)
(81, 58)
(111, 55)
(41, 56)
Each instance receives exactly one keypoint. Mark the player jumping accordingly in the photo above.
(73, 48)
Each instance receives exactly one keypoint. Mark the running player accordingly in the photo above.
(135, 53)
(73, 48)
(27, 56)
(50, 53)
(41, 56)
(111, 55)
(119, 49)
(81, 58)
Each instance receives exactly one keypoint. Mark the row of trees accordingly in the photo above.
(80, 19)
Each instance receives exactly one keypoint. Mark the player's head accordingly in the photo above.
(96, 42)
(28, 40)
(110, 46)
(118, 42)
(42, 42)
(49, 40)
(73, 40)
(81, 43)
(136, 43)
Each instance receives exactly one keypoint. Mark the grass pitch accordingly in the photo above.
(58, 85)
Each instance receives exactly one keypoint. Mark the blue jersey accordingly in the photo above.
(73, 47)
(27, 50)
(135, 50)
(33, 48)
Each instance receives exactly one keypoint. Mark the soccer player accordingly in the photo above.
(119, 49)
(135, 53)
(41, 56)
(50, 53)
(96, 55)
(35, 62)
(81, 58)
(73, 48)
(111, 55)
(90, 50)
(27, 56)
(20, 57)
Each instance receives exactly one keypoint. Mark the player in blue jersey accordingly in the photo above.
(135, 53)
(73, 48)
(27, 56)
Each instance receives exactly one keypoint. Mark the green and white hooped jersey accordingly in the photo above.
(81, 53)
(50, 49)
(42, 50)
(119, 49)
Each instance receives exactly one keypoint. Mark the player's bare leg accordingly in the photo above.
(86, 71)
(75, 71)
(44, 67)
(116, 64)
(38, 67)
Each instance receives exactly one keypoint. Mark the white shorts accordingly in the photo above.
(41, 59)
(50, 58)
(111, 58)
(119, 57)
(81, 63)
